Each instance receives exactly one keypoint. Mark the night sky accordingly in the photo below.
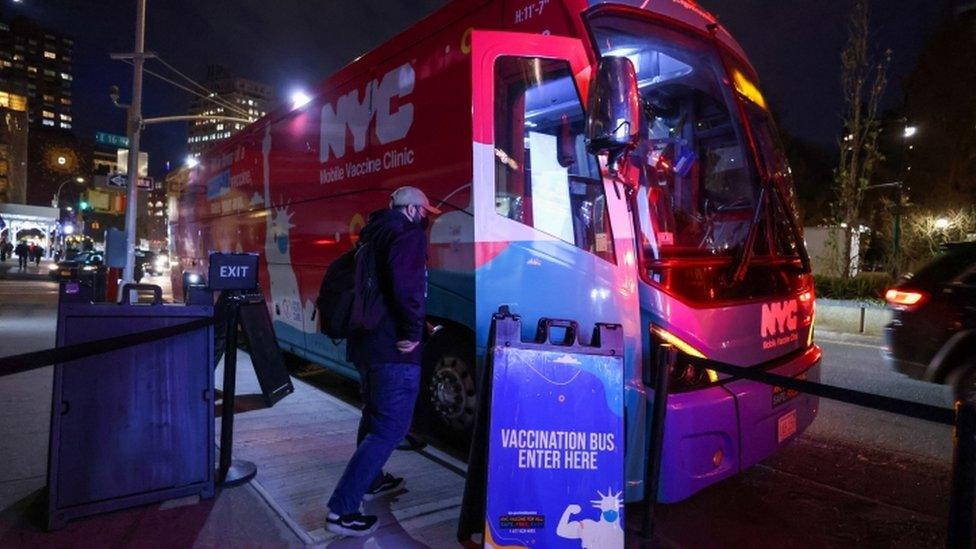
(794, 44)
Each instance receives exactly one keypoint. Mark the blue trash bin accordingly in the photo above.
(134, 425)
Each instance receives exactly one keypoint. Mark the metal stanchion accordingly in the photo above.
(666, 356)
(963, 494)
(231, 472)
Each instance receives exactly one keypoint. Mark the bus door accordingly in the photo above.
(552, 238)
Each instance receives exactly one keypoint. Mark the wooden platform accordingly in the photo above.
(301, 446)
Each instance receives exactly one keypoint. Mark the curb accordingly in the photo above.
(844, 337)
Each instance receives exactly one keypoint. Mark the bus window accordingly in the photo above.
(544, 176)
(696, 179)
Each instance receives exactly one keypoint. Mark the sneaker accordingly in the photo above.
(388, 483)
(353, 524)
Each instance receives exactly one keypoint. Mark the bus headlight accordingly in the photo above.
(684, 376)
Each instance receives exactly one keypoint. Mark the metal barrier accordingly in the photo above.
(963, 419)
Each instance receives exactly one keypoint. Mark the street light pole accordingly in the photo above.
(135, 128)
(907, 133)
(56, 200)
(896, 233)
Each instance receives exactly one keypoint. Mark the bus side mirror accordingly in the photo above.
(613, 109)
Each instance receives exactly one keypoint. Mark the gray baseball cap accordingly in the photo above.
(412, 196)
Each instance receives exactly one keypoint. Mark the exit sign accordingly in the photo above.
(111, 139)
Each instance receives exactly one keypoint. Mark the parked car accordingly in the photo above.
(932, 333)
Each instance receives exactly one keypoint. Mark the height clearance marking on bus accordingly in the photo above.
(352, 115)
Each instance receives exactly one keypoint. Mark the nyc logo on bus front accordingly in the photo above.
(778, 324)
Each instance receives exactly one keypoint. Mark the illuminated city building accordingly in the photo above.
(36, 63)
(13, 148)
(233, 96)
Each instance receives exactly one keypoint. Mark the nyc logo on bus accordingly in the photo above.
(351, 114)
(779, 323)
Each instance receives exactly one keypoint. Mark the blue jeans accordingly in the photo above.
(389, 394)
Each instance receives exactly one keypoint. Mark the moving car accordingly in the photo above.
(144, 263)
(159, 264)
(932, 333)
(82, 264)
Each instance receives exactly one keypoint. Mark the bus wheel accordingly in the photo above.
(449, 394)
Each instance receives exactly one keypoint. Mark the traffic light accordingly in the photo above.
(83, 205)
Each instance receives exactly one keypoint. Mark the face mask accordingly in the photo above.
(418, 217)
(610, 516)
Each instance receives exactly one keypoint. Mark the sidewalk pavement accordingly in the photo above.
(10, 269)
(852, 317)
(235, 517)
(300, 447)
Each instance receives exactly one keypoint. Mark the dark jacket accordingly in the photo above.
(401, 261)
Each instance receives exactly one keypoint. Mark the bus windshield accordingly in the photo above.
(698, 187)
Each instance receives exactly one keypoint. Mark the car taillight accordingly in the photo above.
(903, 299)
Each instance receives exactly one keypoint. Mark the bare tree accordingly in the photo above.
(863, 79)
(927, 230)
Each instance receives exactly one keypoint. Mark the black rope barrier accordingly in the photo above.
(16, 364)
(917, 410)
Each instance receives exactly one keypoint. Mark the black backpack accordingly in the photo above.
(350, 298)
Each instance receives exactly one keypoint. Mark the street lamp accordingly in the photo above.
(299, 99)
(910, 131)
(56, 200)
(942, 223)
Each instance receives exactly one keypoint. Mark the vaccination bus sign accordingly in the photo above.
(555, 454)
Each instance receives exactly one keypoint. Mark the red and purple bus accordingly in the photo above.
(690, 237)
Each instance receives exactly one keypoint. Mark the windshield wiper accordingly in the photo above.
(794, 229)
(741, 265)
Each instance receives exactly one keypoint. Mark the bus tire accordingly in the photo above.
(448, 395)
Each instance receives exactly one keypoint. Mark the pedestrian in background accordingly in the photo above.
(38, 254)
(22, 252)
(3, 250)
(387, 358)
